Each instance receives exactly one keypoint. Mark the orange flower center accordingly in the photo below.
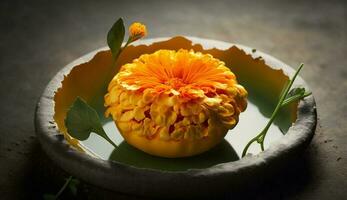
(183, 72)
(175, 83)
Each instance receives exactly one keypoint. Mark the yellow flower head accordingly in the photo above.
(175, 103)
(137, 31)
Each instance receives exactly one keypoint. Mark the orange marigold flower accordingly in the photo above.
(175, 103)
(137, 31)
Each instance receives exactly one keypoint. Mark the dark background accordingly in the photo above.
(38, 38)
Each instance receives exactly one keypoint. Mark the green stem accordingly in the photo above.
(101, 132)
(110, 141)
(261, 136)
(122, 48)
(262, 145)
(248, 145)
(63, 188)
(130, 40)
(115, 58)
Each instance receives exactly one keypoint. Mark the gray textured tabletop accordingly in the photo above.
(40, 37)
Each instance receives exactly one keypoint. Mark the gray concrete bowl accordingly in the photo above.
(224, 177)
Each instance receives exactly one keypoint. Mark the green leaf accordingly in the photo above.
(294, 95)
(81, 119)
(282, 131)
(115, 37)
(296, 91)
(75, 181)
(73, 186)
(73, 189)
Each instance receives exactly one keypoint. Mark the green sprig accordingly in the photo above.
(82, 119)
(70, 183)
(115, 38)
(287, 96)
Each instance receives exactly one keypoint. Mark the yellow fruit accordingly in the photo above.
(175, 103)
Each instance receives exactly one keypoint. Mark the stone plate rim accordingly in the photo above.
(221, 178)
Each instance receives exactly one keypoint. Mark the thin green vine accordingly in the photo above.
(68, 183)
(286, 98)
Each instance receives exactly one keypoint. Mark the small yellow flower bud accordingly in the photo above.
(137, 31)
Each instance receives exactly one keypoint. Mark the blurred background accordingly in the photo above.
(38, 38)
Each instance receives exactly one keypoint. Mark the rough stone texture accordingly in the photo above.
(38, 38)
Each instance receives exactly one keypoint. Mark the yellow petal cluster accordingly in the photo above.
(175, 99)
